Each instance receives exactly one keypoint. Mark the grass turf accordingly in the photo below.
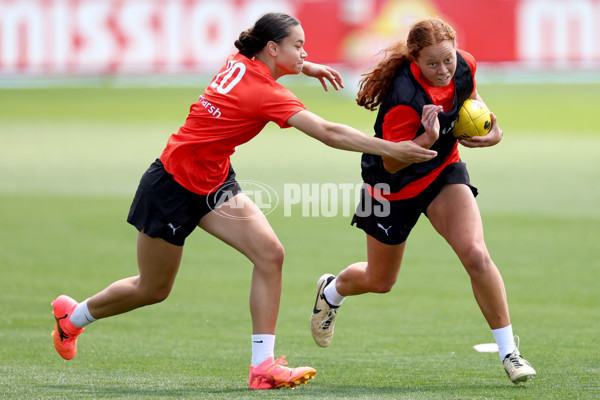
(71, 162)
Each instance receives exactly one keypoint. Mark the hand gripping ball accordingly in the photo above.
(473, 120)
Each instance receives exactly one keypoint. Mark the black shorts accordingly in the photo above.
(165, 209)
(390, 222)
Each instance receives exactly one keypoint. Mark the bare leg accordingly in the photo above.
(455, 215)
(377, 275)
(158, 263)
(246, 229)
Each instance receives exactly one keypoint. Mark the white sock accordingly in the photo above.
(262, 348)
(332, 295)
(505, 340)
(81, 315)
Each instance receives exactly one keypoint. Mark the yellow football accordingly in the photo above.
(473, 120)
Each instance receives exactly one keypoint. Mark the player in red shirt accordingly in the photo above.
(193, 184)
(419, 87)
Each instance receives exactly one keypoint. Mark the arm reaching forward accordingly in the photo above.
(344, 137)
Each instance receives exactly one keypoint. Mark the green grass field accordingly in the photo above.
(71, 160)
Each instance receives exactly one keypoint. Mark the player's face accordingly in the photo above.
(291, 54)
(438, 63)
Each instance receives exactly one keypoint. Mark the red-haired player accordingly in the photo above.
(419, 88)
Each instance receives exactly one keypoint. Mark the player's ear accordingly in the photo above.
(272, 48)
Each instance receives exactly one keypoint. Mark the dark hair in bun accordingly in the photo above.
(270, 27)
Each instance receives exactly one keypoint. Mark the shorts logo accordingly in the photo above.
(384, 228)
(262, 195)
(170, 225)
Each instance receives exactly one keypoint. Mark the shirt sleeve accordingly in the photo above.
(401, 123)
(279, 105)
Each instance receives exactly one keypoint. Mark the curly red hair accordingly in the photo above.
(375, 84)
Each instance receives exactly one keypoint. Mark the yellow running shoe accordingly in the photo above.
(322, 320)
(65, 333)
(271, 374)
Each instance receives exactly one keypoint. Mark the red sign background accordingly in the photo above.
(59, 37)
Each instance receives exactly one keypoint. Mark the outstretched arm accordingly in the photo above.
(322, 72)
(344, 137)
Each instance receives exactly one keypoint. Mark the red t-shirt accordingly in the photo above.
(235, 107)
(402, 122)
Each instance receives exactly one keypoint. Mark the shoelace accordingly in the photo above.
(327, 321)
(515, 360)
(279, 361)
(517, 340)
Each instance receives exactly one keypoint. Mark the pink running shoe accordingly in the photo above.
(271, 374)
(65, 333)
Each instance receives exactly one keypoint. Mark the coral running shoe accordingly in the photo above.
(65, 333)
(271, 374)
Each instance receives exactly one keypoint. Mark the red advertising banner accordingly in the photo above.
(64, 37)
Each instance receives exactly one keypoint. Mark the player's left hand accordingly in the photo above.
(323, 72)
(493, 137)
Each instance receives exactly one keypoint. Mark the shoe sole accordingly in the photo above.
(301, 380)
(318, 340)
(523, 379)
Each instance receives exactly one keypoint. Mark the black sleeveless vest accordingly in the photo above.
(405, 90)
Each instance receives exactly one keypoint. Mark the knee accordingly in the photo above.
(153, 294)
(276, 254)
(476, 260)
(271, 255)
(159, 295)
(382, 285)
